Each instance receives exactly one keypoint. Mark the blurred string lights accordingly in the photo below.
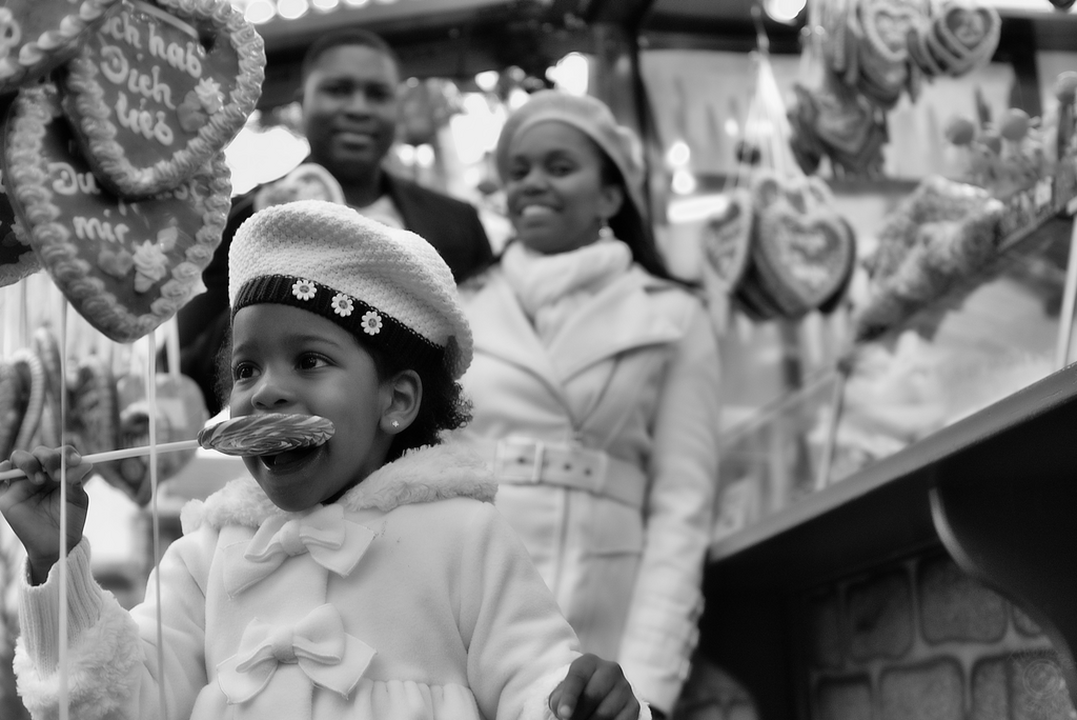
(262, 11)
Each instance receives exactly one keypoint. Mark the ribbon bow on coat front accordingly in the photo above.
(328, 656)
(335, 543)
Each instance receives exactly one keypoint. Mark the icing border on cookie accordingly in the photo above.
(99, 132)
(60, 256)
(48, 48)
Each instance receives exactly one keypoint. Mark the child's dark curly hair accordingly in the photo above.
(444, 406)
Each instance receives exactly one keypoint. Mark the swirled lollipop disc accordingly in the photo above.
(266, 434)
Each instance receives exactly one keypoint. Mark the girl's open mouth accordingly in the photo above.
(288, 458)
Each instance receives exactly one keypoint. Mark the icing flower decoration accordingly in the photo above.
(342, 305)
(150, 265)
(210, 95)
(10, 32)
(304, 289)
(371, 323)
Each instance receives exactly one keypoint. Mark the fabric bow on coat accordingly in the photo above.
(335, 543)
(328, 656)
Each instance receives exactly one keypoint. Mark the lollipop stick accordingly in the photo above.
(120, 454)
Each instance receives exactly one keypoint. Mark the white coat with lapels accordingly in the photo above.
(603, 441)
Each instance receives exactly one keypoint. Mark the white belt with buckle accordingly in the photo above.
(524, 461)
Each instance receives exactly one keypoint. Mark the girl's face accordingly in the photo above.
(557, 199)
(288, 360)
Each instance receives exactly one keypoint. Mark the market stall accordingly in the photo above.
(897, 402)
(863, 504)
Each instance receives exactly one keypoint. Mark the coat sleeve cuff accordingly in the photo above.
(39, 608)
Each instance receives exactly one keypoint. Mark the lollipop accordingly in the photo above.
(265, 434)
(268, 434)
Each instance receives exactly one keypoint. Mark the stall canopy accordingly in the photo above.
(434, 38)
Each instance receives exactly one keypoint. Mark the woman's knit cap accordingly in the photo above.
(589, 115)
(387, 286)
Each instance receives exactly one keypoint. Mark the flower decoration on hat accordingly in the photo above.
(304, 289)
(372, 323)
(343, 305)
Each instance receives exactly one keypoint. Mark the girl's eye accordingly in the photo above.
(310, 361)
(561, 169)
(242, 371)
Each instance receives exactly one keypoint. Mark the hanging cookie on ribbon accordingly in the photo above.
(125, 266)
(159, 89)
(39, 35)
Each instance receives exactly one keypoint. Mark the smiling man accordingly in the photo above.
(350, 102)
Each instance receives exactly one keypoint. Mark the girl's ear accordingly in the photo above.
(404, 395)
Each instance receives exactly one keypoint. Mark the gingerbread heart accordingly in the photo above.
(886, 25)
(39, 35)
(179, 414)
(309, 181)
(124, 266)
(12, 406)
(803, 259)
(93, 420)
(726, 240)
(963, 37)
(160, 88)
(47, 350)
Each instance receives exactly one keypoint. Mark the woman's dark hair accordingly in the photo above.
(629, 226)
(443, 407)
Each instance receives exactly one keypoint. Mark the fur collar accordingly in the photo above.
(423, 475)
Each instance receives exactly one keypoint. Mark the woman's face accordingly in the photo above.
(557, 199)
(289, 360)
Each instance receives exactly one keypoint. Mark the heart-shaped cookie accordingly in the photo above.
(125, 266)
(962, 38)
(159, 88)
(886, 25)
(802, 258)
(725, 240)
(12, 406)
(47, 350)
(39, 35)
(93, 420)
(28, 365)
(309, 181)
(179, 414)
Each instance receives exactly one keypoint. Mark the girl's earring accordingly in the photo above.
(605, 232)
(395, 423)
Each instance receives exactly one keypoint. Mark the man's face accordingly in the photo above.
(350, 110)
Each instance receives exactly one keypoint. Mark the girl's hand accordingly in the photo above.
(31, 504)
(594, 689)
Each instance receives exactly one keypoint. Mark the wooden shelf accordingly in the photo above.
(996, 489)
(885, 509)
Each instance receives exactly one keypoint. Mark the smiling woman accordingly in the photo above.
(594, 392)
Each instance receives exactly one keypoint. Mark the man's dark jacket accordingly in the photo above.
(451, 226)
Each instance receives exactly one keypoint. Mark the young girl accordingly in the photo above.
(368, 577)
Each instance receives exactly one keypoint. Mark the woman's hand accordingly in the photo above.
(31, 504)
(594, 689)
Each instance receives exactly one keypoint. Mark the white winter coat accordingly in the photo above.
(635, 373)
(409, 598)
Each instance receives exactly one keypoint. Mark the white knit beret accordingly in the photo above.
(388, 286)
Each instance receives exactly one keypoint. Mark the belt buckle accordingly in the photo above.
(512, 462)
(595, 467)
